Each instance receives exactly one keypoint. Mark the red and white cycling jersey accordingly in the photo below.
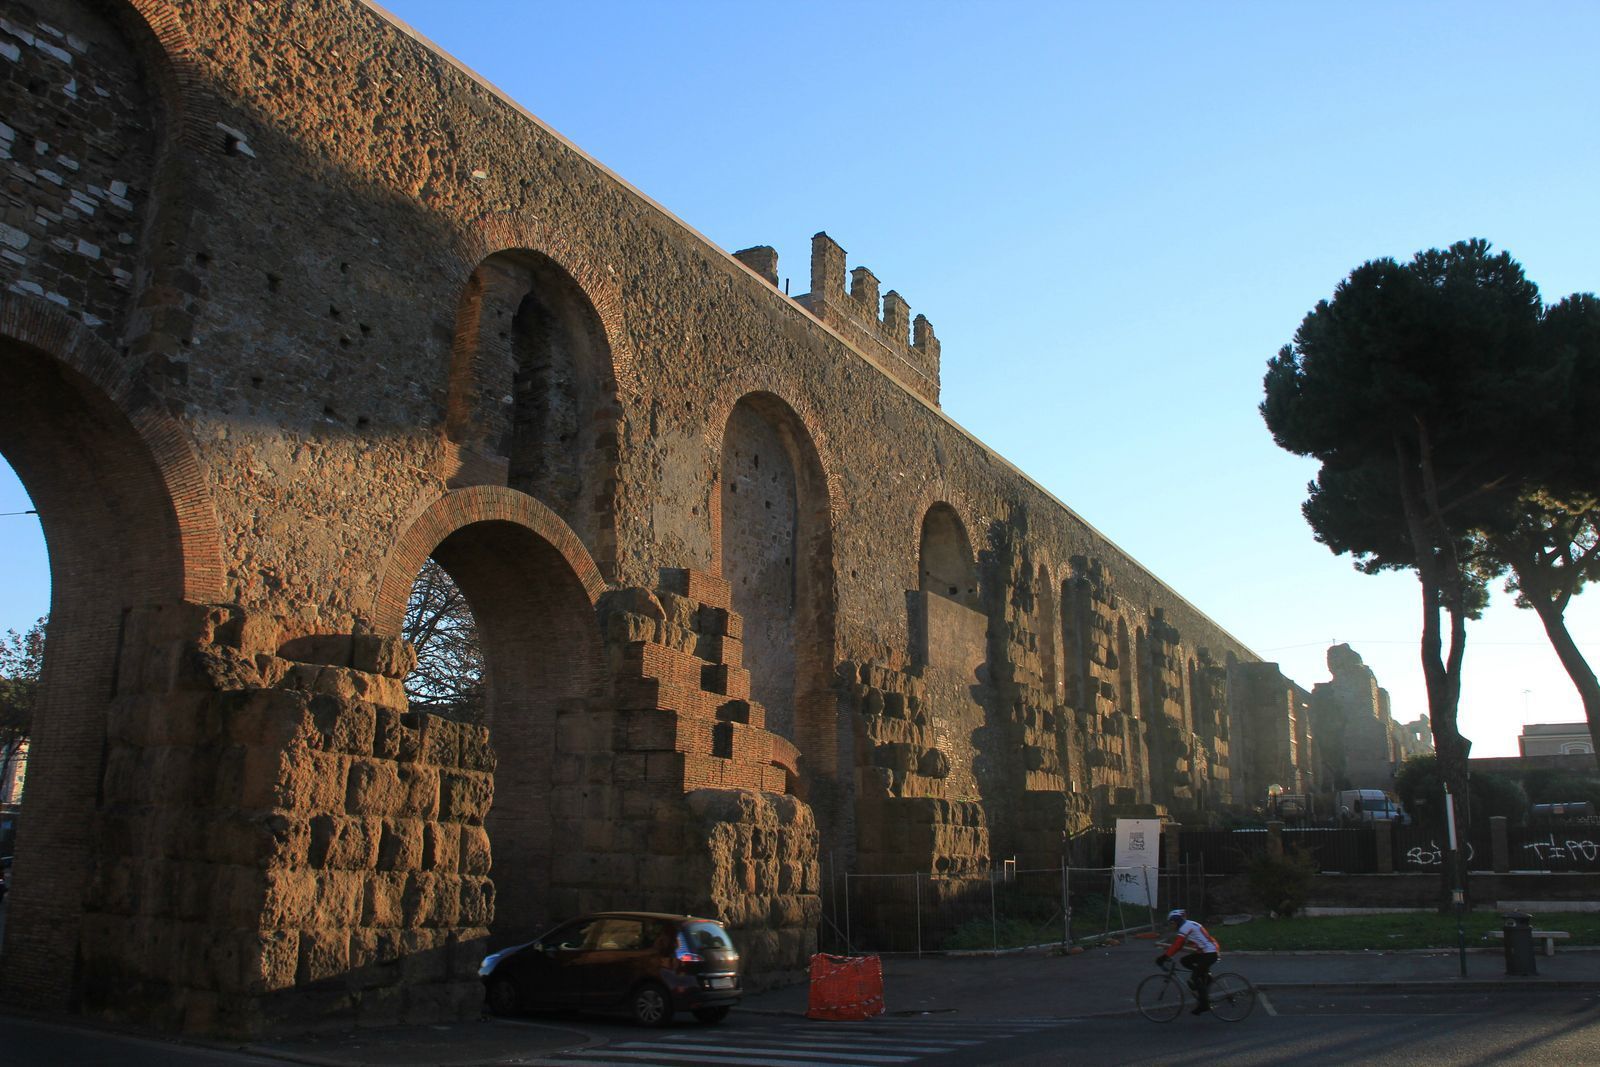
(1193, 935)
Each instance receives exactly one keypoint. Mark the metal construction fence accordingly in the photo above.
(1078, 901)
(1010, 908)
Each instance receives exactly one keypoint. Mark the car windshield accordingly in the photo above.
(703, 937)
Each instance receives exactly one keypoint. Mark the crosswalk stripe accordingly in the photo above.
(924, 1045)
(929, 1024)
(769, 1050)
(657, 1057)
(870, 1043)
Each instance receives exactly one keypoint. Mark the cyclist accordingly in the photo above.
(1203, 955)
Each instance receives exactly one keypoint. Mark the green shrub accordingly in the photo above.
(1281, 885)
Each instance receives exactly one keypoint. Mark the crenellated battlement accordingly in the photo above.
(881, 326)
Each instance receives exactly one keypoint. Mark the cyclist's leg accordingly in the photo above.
(1204, 961)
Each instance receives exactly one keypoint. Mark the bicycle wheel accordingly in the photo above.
(1232, 996)
(1160, 998)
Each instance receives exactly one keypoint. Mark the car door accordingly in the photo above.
(619, 951)
(547, 974)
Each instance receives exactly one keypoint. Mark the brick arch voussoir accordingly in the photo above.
(762, 379)
(35, 323)
(196, 114)
(491, 235)
(464, 507)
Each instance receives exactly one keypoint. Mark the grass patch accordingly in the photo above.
(1007, 933)
(1354, 933)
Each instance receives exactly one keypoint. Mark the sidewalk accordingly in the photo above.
(1101, 981)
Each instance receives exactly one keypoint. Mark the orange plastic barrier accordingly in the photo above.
(845, 987)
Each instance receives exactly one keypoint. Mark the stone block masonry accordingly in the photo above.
(281, 844)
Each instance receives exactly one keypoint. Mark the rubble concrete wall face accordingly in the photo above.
(358, 286)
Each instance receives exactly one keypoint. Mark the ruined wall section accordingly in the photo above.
(282, 844)
(1208, 688)
(1350, 716)
(1272, 739)
(1111, 743)
(680, 798)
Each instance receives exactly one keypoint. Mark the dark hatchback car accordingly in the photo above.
(648, 964)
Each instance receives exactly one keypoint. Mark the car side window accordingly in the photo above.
(616, 935)
(571, 936)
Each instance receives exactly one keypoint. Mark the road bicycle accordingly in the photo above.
(1162, 997)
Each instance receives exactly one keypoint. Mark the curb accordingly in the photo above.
(1445, 985)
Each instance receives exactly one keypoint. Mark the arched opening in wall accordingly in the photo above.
(538, 664)
(1072, 666)
(1049, 619)
(531, 399)
(114, 544)
(777, 557)
(448, 677)
(945, 562)
(1128, 700)
(1125, 688)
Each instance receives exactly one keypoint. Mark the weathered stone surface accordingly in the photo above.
(664, 483)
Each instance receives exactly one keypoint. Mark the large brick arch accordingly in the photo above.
(778, 557)
(129, 523)
(784, 394)
(456, 510)
(106, 381)
(581, 347)
(171, 57)
(532, 590)
(514, 232)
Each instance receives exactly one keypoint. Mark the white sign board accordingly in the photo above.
(1138, 861)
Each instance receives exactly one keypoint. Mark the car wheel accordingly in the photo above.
(711, 1015)
(651, 1005)
(503, 997)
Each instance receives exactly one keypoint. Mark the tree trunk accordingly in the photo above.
(1443, 676)
(1555, 627)
(1443, 588)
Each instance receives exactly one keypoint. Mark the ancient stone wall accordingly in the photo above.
(371, 312)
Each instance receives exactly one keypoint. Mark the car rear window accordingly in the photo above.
(704, 937)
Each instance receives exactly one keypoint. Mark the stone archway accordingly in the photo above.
(776, 548)
(532, 393)
(945, 565)
(128, 526)
(532, 590)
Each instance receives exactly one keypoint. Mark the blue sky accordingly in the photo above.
(1113, 214)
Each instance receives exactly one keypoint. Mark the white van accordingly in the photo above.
(1368, 805)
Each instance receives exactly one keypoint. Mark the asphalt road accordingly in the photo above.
(1291, 1024)
(1300, 1027)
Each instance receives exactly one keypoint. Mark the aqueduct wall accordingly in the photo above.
(293, 303)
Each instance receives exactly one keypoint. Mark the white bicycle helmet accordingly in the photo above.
(1177, 915)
